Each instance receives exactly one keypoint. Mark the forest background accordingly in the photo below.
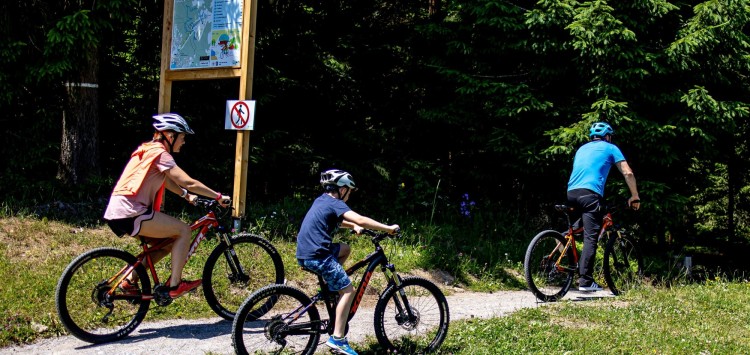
(458, 111)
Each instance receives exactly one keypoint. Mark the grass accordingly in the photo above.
(483, 253)
(709, 318)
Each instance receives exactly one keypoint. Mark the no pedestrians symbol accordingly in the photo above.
(240, 115)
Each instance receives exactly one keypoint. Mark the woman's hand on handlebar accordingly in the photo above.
(224, 200)
(191, 198)
(393, 229)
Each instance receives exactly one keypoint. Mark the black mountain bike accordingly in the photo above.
(411, 314)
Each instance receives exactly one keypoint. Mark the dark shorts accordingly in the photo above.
(329, 268)
(131, 225)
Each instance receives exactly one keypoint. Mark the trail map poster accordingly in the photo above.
(206, 34)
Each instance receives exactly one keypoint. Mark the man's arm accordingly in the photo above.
(634, 201)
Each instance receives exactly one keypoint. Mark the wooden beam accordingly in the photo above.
(165, 85)
(203, 74)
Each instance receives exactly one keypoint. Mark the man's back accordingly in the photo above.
(591, 165)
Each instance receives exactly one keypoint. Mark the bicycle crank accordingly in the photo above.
(161, 295)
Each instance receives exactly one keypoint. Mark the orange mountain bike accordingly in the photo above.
(95, 306)
(551, 260)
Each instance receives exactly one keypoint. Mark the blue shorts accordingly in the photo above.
(330, 269)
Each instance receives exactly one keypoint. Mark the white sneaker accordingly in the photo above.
(593, 287)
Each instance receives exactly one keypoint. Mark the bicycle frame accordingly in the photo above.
(370, 263)
(372, 260)
(203, 224)
(607, 222)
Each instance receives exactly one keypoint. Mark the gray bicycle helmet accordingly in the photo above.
(335, 177)
(171, 122)
(600, 129)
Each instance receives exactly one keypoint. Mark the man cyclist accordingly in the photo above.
(317, 252)
(591, 166)
(135, 203)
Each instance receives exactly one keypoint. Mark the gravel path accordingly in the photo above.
(213, 335)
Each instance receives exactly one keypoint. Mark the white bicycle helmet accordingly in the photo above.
(335, 177)
(171, 122)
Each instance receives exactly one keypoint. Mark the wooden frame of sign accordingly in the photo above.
(244, 72)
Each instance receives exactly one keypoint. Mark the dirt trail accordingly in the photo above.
(213, 335)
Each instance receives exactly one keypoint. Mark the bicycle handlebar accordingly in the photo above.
(208, 204)
(378, 236)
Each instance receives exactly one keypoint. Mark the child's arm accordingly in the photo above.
(357, 229)
(367, 222)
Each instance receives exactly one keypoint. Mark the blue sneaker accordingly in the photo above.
(340, 346)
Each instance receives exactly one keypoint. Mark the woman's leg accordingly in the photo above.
(165, 226)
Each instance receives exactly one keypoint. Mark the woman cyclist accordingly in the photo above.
(134, 207)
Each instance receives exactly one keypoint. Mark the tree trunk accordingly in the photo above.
(79, 150)
(731, 189)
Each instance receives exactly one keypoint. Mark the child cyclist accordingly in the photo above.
(317, 252)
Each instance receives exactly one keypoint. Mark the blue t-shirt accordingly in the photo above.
(591, 165)
(321, 221)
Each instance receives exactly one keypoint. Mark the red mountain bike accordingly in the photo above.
(551, 259)
(95, 307)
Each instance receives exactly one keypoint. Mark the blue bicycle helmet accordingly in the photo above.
(600, 129)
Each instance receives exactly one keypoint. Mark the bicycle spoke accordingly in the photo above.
(232, 274)
(285, 327)
(412, 319)
(548, 266)
(623, 265)
(87, 307)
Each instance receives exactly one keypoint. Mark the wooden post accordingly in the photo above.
(165, 85)
(246, 92)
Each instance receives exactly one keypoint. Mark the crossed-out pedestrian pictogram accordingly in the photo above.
(240, 114)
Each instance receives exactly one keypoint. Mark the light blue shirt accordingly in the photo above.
(591, 165)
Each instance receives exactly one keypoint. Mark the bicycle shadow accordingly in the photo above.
(196, 330)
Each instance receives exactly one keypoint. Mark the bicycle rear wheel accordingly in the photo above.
(85, 305)
(623, 264)
(411, 318)
(549, 266)
(233, 272)
(291, 325)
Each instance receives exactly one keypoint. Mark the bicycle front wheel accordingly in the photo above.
(549, 266)
(89, 304)
(291, 325)
(623, 264)
(233, 272)
(411, 318)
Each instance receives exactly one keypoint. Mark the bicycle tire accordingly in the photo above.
(81, 296)
(423, 334)
(269, 333)
(546, 281)
(225, 287)
(623, 264)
